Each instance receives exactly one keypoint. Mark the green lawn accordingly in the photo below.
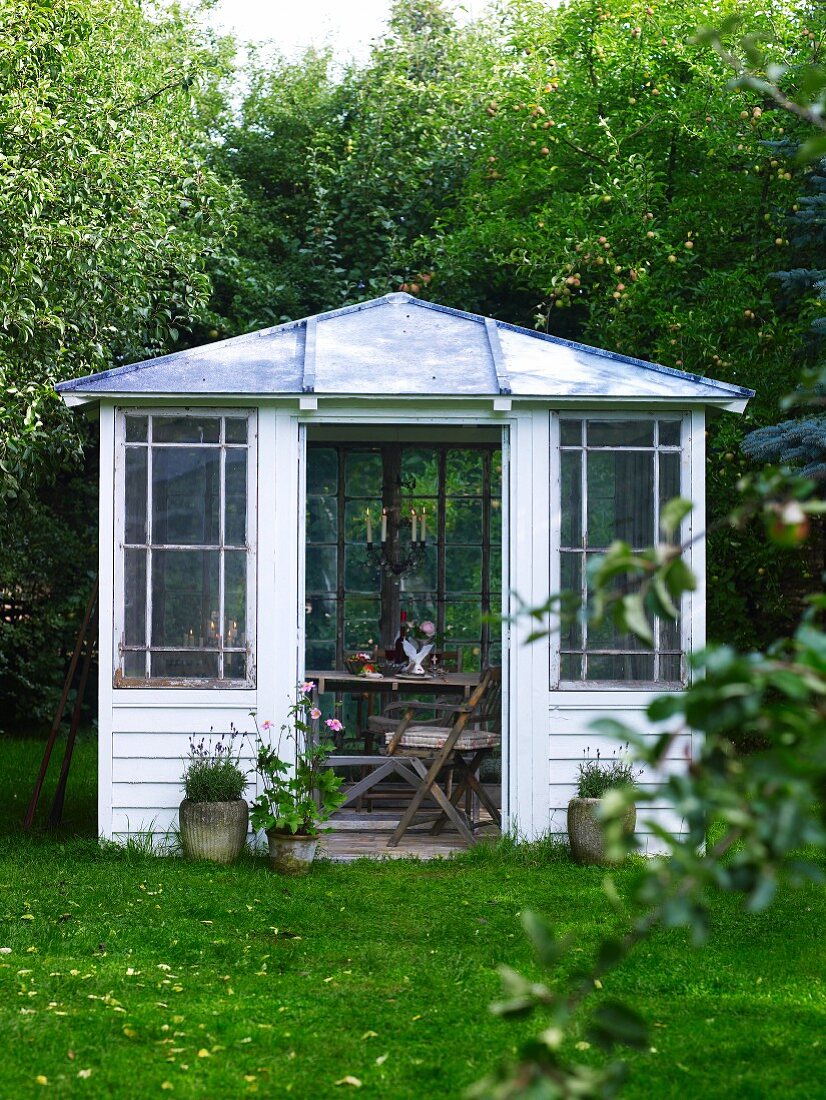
(131, 976)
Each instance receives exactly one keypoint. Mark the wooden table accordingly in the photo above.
(447, 683)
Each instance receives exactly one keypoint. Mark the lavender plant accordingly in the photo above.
(212, 771)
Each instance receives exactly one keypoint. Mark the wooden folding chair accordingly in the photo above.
(473, 734)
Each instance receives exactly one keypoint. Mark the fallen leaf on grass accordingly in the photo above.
(382, 1058)
(249, 1077)
(30, 916)
(350, 1080)
(370, 1035)
(5, 950)
(41, 1079)
(167, 1085)
(84, 1073)
(204, 1053)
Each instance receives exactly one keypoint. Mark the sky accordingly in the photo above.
(347, 25)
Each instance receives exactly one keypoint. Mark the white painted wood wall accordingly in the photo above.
(144, 733)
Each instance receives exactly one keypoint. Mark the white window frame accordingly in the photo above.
(685, 420)
(119, 679)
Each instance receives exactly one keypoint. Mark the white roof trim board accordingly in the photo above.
(399, 346)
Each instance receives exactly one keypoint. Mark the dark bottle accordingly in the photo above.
(399, 656)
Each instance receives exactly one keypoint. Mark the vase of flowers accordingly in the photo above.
(213, 817)
(604, 813)
(418, 643)
(298, 793)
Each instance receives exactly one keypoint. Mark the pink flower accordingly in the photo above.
(334, 725)
(427, 628)
(266, 724)
(315, 714)
(308, 687)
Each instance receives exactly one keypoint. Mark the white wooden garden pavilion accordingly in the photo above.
(235, 480)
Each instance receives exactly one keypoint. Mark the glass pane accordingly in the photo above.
(463, 569)
(620, 433)
(463, 621)
(419, 606)
(235, 666)
(620, 667)
(235, 430)
(235, 598)
(320, 654)
(570, 667)
(359, 574)
(362, 474)
(185, 498)
(235, 498)
(464, 472)
(184, 597)
(322, 519)
(361, 622)
(134, 582)
(620, 498)
(571, 470)
(134, 664)
(355, 519)
(136, 461)
(496, 474)
(495, 522)
(320, 620)
(186, 429)
(571, 582)
(669, 633)
(570, 433)
(670, 668)
(322, 471)
(423, 577)
(670, 433)
(463, 520)
(136, 428)
(420, 471)
(495, 580)
(184, 664)
(321, 569)
(669, 477)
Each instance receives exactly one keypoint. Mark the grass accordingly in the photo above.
(131, 975)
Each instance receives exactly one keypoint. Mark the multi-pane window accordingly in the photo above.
(457, 581)
(615, 477)
(185, 571)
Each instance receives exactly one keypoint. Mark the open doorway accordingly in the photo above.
(450, 482)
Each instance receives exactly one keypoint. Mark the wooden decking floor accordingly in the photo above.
(365, 836)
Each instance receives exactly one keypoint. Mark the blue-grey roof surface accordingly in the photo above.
(400, 346)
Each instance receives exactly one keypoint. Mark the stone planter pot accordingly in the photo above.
(291, 853)
(585, 830)
(213, 830)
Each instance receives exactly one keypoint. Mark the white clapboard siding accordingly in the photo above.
(141, 821)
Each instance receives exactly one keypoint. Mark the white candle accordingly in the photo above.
(424, 525)
(369, 529)
(384, 525)
(413, 514)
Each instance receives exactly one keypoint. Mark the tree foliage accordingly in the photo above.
(107, 207)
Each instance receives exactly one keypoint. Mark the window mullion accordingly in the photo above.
(656, 540)
(583, 556)
(222, 463)
(148, 536)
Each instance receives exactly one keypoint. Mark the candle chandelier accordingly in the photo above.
(409, 558)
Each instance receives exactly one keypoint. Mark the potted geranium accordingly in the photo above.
(587, 817)
(213, 816)
(297, 795)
